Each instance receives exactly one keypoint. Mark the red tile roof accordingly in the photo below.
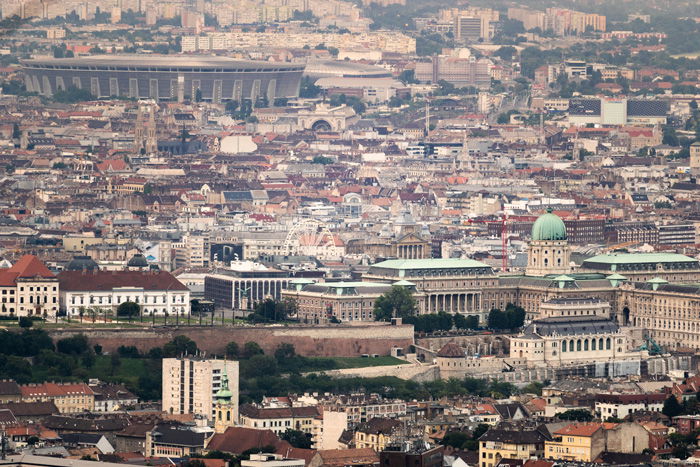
(55, 389)
(31, 266)
(107, 280)
(239, 439)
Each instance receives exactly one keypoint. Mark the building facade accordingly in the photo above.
(156, 292)
(190, 385)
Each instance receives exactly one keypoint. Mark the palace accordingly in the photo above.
(649, 295)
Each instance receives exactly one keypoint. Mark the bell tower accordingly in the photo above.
(225, 409)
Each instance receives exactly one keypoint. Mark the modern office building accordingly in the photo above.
(173, 78)
(243, 284)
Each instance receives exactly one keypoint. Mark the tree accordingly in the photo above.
(128, 309)
(408, 77)
(308, 89)
(396, 303)
(577, 415)
(76, 345)
(284, 352)
(512, 318)
(252, 348)
(114, 363)
(672, 408)
(506, 52)
(297, 439)
(178, 346)
(97, 348)
(232, 349)
(324, 160)
(25, 322)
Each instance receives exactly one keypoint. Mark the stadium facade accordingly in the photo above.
(172, 78)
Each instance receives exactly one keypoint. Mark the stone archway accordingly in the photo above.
(321, 125)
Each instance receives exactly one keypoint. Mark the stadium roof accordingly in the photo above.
(147, 60)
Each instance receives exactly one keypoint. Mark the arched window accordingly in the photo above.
(607, 343)
(578, 345)
(571, 345)
(600, 344)
(585, 345)
(563, 346)
(592, 344)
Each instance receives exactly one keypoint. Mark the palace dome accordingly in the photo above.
(549, 227)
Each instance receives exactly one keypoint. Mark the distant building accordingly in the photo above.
(190, 385)
(460, 72)
(156, 292)
(28, 288)
(68, 397)
(415, 455)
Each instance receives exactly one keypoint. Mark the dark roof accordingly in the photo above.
(107, 280)
(584, 107)
(9, 388)
(251, 411)
(517, 434)
(71, 424)
(508, 411)
(31, 409)
(177, 435)
(631, 398)
(82, 262)
(81, 438)
(570, 326)
(7, 418)
(646, 108)
(137, 261)
(379, 425)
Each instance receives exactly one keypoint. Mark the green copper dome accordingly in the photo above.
(549, 227)
(224, 395)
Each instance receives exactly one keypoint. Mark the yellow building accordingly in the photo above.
(580, 442)
(512, 442)
(377, 433)
(68, 397)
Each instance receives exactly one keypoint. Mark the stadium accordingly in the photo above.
(173, 78)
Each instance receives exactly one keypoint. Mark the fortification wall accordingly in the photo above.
(316, 341)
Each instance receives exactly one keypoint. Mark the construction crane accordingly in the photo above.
(503, 221)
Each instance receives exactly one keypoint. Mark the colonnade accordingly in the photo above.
(454, 302)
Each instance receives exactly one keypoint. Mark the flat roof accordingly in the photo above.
(434, 263)
(636, 258)
(170, 61)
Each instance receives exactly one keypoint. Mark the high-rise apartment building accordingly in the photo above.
(190, 384)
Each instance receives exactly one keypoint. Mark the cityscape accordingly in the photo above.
(350, 233)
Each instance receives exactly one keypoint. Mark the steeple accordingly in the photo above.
(225, 408)
(224, 396)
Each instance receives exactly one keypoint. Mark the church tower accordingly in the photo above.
(548, 252)
(225, 407)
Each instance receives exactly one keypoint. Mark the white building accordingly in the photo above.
(156, 292)
(272, 460)
(28, 288)
(190, 385)
(621, 405)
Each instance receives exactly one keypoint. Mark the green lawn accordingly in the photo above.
(353, 362)
(128, 371)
